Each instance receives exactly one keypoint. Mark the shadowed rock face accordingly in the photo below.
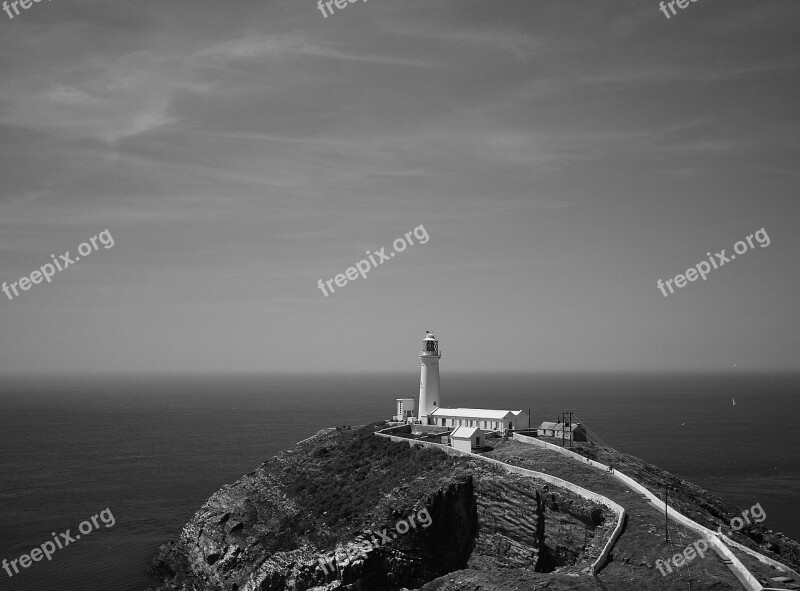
(522, 526)
(221, 549)
(311, 518)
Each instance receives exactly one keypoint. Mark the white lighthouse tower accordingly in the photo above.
(429, 397)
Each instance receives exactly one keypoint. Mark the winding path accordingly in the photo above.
(718, 542)
(637, 510)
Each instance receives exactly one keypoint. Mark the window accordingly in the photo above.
(459, 422)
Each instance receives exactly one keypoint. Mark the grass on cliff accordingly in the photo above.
(350, 472)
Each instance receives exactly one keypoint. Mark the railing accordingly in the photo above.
(430, 353)
(742, 573)
(554, 480)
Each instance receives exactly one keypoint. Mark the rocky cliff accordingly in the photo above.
(348, 510)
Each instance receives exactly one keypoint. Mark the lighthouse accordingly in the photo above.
(428, 410)
(429, 398)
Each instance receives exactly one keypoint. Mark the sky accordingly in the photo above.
(559, 157)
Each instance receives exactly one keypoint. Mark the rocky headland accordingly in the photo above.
(349, 510)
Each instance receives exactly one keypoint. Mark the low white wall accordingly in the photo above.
(741, 572)
(404, 428)
(760, 557)
(554, 480)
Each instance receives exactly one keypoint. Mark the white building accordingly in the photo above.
(406, 408)
(548, 429)
(466, 438)
(429, 397)
(572, 432)
(429, 409)
(487, 419)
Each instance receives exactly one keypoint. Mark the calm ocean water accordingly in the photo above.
(152, 450)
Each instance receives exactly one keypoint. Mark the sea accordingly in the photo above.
(150, 450)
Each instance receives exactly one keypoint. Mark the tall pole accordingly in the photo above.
(570, 430)
(666, 506)
(562, 429)
(529, 421)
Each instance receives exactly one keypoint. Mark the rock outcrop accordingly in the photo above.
(312, 518)
(346, 510)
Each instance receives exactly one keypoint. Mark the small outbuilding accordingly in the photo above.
(575, 432)
(570, 432)
(548, 429)
(406, 409)
(466, 438)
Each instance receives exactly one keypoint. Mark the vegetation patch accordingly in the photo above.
(351, 472)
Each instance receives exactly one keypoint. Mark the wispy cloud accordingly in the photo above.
(293, 46)
(556, 153)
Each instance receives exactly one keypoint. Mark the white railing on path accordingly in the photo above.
(554, 480)
(713, 538)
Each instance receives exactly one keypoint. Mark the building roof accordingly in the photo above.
(465, 432)
(558, 426)
(483, 413)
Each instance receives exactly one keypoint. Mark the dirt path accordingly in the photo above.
(632, 560)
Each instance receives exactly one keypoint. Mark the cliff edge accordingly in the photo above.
(346, 510)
